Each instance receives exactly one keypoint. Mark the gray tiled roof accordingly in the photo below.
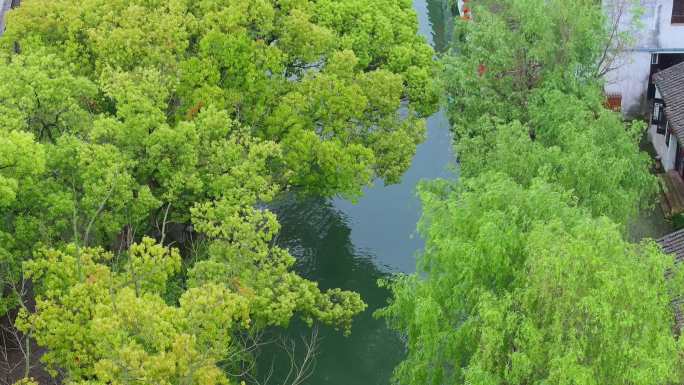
(670, 83)
(674, 244)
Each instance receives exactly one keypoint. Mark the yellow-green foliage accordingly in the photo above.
(114, 326)
(326, 76)
(124, 118)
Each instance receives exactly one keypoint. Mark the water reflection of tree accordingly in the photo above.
(441, 17)
(319, 236)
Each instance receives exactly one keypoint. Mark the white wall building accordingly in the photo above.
(667, 118)
(661, 136)
(659, 45)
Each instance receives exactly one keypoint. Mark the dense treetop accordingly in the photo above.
(526, 276)
(536, 67)
(522, 286)
(324, 79)
(142, 141)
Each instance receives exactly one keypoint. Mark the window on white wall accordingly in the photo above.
(658, 116)
(677, 11)
(668, 133)
(654, 58)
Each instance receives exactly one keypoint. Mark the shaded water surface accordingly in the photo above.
(351, 246)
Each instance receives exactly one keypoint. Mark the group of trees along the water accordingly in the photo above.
(142, 140)
(526, 277)
(141, 143)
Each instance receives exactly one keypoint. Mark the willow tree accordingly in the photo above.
(538, 64)
(513, 47)
(526, 277)
(519, 285)
(570, 140)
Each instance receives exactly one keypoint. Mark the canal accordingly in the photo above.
(351, 246)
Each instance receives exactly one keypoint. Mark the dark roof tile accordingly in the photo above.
(670, 83)
(673, 243)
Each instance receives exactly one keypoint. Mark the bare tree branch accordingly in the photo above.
(164, 222)
(98, 212)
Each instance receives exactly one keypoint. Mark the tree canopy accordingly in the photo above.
(142, 143)
(526, 276)
(530, 70)
(523, 286)
(324, 79)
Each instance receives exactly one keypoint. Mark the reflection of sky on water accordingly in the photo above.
(383, 222)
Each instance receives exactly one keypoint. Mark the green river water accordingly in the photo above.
(351, 246)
